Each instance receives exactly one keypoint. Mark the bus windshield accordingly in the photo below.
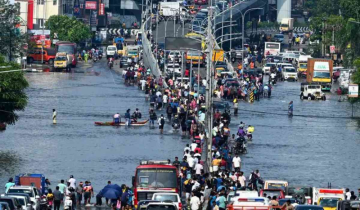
(329, 202)
(319, 74)
(303, 65)
(69, 49)
(272, 45)
(157, 177)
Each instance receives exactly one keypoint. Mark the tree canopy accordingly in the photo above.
(68, 29)
(12, 92)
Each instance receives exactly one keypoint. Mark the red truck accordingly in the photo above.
(48, 55)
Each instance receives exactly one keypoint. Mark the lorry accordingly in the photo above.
(302, 64)
(320, 71)
(170, 10)
(218, 55)
(328, 198)
(286, 25)
(37, 180)
(62, 61)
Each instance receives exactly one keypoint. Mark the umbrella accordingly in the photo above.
(113, 186)
(110, 193)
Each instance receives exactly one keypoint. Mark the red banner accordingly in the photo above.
(90, 5)
(102, 9)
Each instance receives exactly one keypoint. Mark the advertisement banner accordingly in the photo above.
(90, 5)
(102, 9)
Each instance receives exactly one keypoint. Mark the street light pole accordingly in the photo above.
(230, 31)
(243, 37)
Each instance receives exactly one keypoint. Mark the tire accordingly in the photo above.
(324, 98)
(51, 62)
(301, 97)
(309, 98)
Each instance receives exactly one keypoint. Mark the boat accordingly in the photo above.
(140, 123)
(2, 126)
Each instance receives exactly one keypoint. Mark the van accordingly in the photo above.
(110, 51)
(276, 184)
(328, 198)
(241, 194)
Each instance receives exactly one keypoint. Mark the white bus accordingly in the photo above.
(272, 48)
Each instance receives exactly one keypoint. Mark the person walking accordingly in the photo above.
(54, 116)
(161, 122)
(79, 193)
(153, 117)
(62, 188)
(57, 198)
(237, 162)
(169, 111)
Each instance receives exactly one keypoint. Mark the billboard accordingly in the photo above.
(102, 9)
(90, 5)
(182, 43)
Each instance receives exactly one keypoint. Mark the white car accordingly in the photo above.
(168, 197)
(23, 201)
(232, 196)
(259, 202)
(172, 55)
(311, 91)
(110, 51)
(173, 67)
(267, 67)
(31, 191)
(289, 73)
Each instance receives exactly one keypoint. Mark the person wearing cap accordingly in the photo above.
(72, 181)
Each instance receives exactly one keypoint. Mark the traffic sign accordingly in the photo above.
(353, 91)
(55, 36)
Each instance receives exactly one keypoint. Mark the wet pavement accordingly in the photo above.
(319, 144)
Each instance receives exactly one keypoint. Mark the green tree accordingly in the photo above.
(68, 29)
(12, 92)
(12, 42)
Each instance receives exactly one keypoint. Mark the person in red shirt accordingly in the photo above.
(198, 149)
(217, 115)
(187, 73)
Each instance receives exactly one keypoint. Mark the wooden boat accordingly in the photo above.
(139, 123)
(2, 126)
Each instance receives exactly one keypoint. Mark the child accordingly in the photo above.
(50, 197)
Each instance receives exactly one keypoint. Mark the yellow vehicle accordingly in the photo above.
(218, 55)
(328, 198)
(194, 57)
(276, 184)
(302, 64)
(62, 61)
(219, 70)
(133, 51)
(198, 37)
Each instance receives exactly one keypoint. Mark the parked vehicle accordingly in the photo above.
(48, 55)
(11, 201)
(328, 198)
(287, 25)
(4, 205)
(302, 64)
(279, 193)
(348, 205)
(320, 70)
(31, 191)
(311, 91)
(241, 194)
(24, 200)
(279, 38)
(144, 203)
(167, 197)
(249, 203)
(308, 207)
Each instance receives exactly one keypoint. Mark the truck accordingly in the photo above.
(286, 25)
(302, 64)
(47, 57)
(328, 198)
(171, 9)
(37, 180)
(320, 71)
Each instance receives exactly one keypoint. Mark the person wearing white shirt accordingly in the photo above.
(194, 202)
(165, 100)
(242, 179)
(72, 182)
(187, 148)
(237, 162)
(190, 161)
(198, 168)
(193, 146)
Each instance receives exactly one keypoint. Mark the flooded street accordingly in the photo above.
(316, 146)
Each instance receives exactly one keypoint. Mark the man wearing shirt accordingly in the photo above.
(193, 146)
(198, 168)
(194, 202)
(237, 162)
(58, 196)
(221, 200)
(242, 179)
(72, 182)
(9, 184)
(62, 188)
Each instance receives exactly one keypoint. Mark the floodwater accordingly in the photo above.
(316, 146)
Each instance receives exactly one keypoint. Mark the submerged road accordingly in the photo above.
(318, 145)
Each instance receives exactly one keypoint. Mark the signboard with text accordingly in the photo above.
(353, 91)
(90, 5)
(332, 49)
(102, 9)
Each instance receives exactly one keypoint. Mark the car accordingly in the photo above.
(283, 65)
(4, 205)
(123, 62)
(241, 194)
(311, 91)
(161, 206)
(47, 55)
(279, 38)
(144, 203)
(267, 67)
(348, 205)
(272, 192)
(110, 51)
(220, 104)
(173, 67)
(172, 54)
(308, 207)
(301, 192)
(31, 191)
(289, 73)
(11, 201)
(168, 197)
(23, 199)
(274, 58)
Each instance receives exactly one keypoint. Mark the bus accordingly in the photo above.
(154, 177)
(69, 48)
(272, 48)
(133, 51)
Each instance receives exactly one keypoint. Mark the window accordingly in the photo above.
(40, 23)
(40, 2)
(54, 2)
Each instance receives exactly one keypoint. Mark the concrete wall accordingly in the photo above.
(283, 9)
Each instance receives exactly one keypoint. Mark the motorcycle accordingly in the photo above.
(240, 146)
(44, 205)
(95, 59)
(249, 136)
(110, 64)
(273, 81)
(100, 56)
